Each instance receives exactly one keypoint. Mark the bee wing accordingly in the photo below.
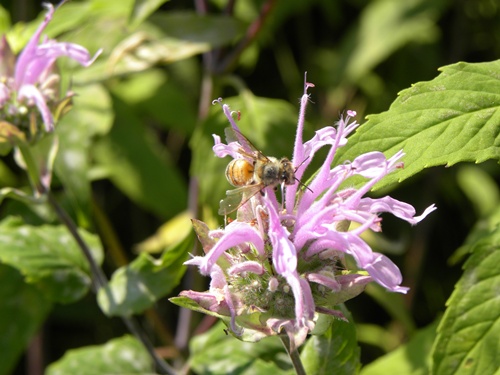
(233, 135)
(237, 197)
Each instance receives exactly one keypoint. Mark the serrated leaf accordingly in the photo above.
(412, 358)
(215, 353)
(334, 352)
(49, 257)
(453, 118)
(137, 286)
(124, 355)
(22, 311)
(467, 341)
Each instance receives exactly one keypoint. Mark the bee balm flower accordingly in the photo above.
(281, 263)
(31, 81)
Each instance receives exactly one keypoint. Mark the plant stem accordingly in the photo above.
(294, 356)
(100, 281)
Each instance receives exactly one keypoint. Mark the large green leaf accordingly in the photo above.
(334, 352)
(22, 311)
(467, 341)
(124, 355)
(135, 163)
(412, 358)
(215, 353)
(451, 119)
(137, 286)
(49, 257)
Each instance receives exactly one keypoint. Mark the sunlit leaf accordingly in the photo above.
(49, 257)
(451, 119)
(137, 286)
(412, 358)
(467, 341)
(168, 235)
(4, 20)
(124, 355)
(22, 311)
(334, 352)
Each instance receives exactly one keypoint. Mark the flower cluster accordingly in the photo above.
(30, 85)
(280, 264)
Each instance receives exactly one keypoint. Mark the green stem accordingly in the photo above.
(100, 281)
(294, 356)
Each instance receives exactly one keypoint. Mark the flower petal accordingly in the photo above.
(236, 233)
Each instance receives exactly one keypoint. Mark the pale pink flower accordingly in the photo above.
(31, 80)
(286, 264)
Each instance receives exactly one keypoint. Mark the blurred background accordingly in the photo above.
(144, 121)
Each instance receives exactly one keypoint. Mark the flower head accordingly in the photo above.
(30, 83)
(285, 261)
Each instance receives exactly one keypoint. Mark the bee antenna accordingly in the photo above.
(303, 185)
(300, 165)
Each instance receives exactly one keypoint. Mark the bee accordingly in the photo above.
(252, 173)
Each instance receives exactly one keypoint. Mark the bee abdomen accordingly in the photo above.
(239, 172)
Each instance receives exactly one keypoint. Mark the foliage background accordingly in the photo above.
(137, 149)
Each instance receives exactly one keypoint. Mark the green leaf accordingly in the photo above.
(467, 341)
(124, 355)
(152, 93)
(334, 352)
(385, 26)
(4, 20)
(451, 119)
(49, 257)
(139, 167)
(143, 9)
(91, 115)
(214, 353)
(22, 311)
(198, 31)
(480, 187)
(137, 286)
(412, 358)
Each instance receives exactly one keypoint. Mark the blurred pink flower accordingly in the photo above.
(30, 80)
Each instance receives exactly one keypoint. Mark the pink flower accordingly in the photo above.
(31, 81)
(293, 252)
